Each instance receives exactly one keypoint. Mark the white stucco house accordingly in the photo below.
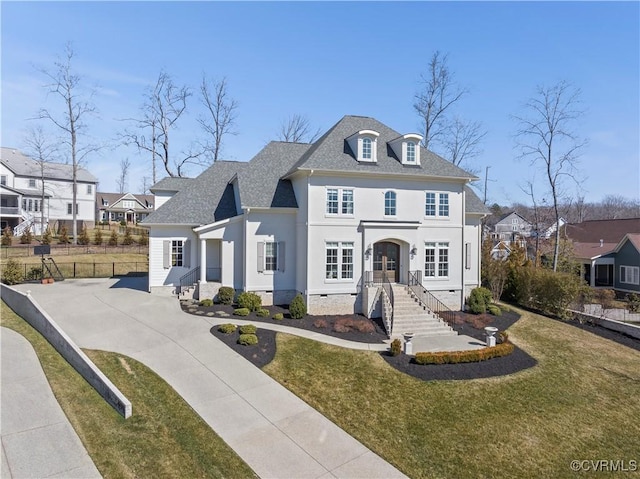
(362, 204)
(21, 185)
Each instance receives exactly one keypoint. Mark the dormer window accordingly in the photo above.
(364, 145)
(407, 148)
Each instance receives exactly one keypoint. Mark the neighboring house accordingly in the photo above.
(608, 252)
(551, 230)
(511, 226)
(123, 207)
(21, 182)
(362, 205)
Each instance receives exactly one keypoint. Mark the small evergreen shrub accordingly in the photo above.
(12, 272)
(143, 240)
(248, 300)
(494, 309)
(127, 240)
(278, 316)
(241, 312)
(248, 329)
(206, 303)
(113, 238)
(63, 236)
(263, 313)
(227, 328)
(83, 237)
(226, 294)
(7, 234)
(297, 308)
(634, 303)
(473, 356)
(97, 237)
(479, 300)
(27, 237)
(35, 273)
(396, 347)
(248, 339)
(46, 237)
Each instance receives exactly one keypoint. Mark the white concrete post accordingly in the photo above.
(490, 332)
(408, 345)
(203, 261)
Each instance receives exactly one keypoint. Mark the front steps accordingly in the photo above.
(410, 317)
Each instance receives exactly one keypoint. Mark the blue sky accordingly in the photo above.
(328, 59)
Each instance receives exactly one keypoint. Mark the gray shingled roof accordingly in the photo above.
(473, 204)
(332, 153)
(171, 183)
(209, 198)
(261, 185)
(23, 165)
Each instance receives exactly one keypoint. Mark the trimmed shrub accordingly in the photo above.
(479, 299)
(83, 237)
(46, 237)
(127, 240)
(248, 300)
(345, 325)
(27, 237)
(7, 234)
(12, 272)
(278, 316)
(263, 313)
(97, 237)
(473, 356)
(320, 323)
(297, 308)
(227, 328)
(248, 329)
(226, 294)
(63, 236)
(248, 339)
(241, 312)
(206, 303)
(396, 347)
(113, 238)
(494, 309)
(143, 239)
(35, 273)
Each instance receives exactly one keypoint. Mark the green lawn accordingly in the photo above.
(163, 438)
(581, 402)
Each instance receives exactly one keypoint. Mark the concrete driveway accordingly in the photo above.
(274, 431)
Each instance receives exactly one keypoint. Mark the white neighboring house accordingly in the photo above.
(21, 188)
(327, 220)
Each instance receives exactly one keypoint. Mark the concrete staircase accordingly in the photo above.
(410, 317)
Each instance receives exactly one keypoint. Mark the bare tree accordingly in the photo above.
(65, 85)
(546, 138)
(462, 140)
(297, 129)
(122, 180)
(43, 151)
(437, 93)
(164, 104)
(144, 185)
(220, 114)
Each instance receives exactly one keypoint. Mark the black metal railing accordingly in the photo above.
(189, 279)
(428, 300)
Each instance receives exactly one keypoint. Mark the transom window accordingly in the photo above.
(366, 148)
(630, 274)
(411, 152)
(390, 203)
(339, 260)
(436, 204)
(436, 260)
(339, 201)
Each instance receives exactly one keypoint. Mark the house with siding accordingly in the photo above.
(123, 207)
(332, 220)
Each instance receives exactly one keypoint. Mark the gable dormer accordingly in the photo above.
(407, 148)
(364, 145)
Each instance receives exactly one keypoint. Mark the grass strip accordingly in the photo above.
(580, 402)
(163, 438)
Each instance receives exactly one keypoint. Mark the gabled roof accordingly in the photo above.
(331, 152)
(23, 165)
(633, 238)
(112, 199)
(592, 250)
(171, 183)
(610, 231)
(505, 216)
(208, 198)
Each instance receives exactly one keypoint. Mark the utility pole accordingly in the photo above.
(486, 178)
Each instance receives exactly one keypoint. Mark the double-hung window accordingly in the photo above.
(177, 251)
(339, 260)
(32, 183)
(436, 260)
(366, 148)
(271, 256)
(630, 274)
(411, 152)
(390, 203)
(69, 210)
(436, 205)
(339, 201)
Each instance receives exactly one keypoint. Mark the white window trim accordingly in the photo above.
(340, 202)
(437, 215)
(341, 246)
(437, 246)
(630, 273)
(395, 204)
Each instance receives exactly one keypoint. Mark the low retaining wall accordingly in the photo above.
(26, 307)
(626, 328)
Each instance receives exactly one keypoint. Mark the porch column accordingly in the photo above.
(592, 279)
(203, 261)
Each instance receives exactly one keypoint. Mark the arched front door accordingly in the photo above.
(385, 262)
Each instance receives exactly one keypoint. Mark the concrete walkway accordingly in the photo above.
(37, 438)
(273, 430)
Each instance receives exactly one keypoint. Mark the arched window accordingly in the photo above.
(366, 148)
(390, 203)
(411, 152)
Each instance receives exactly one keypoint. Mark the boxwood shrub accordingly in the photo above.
(494, 309)
(226, 294)
(241, 312)
(206, 302)
(479, 300)
(251, 301)
(297, 308)
(248, 329)
(473, 356)
(278, 316)
(263, 313)
(396, 347)
(248, 339)
(227, 328)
